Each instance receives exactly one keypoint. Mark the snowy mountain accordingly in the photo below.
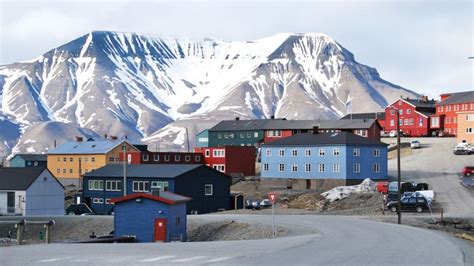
(154, 88)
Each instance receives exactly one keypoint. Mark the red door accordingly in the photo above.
(160, 230)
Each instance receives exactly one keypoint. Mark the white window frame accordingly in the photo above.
(113, 185)
(141, 186)
(356, 152)
(356, 168)
(322, 152)
(156, 157)
(307, 152)
(145, 157)
(322, 168)
(266, 167)
(95, 184)
(219, 167)
(218, 153)
(160, 185)
(294, 152)
(207, 153)
(376, 152)
(268, 152)
(307, 168)
(294, 168)
(281, 167)
(376, 168)
(206, 192)
(281, 152)
(336, 168)
(336, 152)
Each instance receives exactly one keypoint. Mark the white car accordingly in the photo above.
(415, 144)
(393, 133)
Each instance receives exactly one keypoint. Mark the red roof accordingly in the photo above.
(178, 198)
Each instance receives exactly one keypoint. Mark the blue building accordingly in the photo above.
(151, 218)
(324, 160)
(30, 191)
(208, 188)
(28, 160)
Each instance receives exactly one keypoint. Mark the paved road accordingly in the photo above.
(436, 165)
(314, 240)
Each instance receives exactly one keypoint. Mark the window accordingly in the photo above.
(58, 171)
(356, 152)
(406, 122)
(160, 185)
(322, 167)
(242, 135)
(219, 135)
(71, 159)
(107, 201)
(270, 133)
(392, 123)
(281, 152)
(376, 153)
(98, 200)
(420, 122)
(435, 121)
(218, 153)
(249, 135)
(58, 159)
(93, 159)
(307, 152)
(408, 111)
(255, 134)
(111, 159)
(401, 111)
(294, 153)
(469, 117)
(96, 185)
(167, 158)
(208, 190)
(469, 130)
(70, 170)
(219, 167)
(356, 168)
(113, 185)
(268, 152)
(281, 167)
(226, 135)
(207, 153)
(392, 111)
(141, 186)
(322, 152)
(64, 171)
(307, 167)
(266, 167)
(177, 158)
(197, 158)
(156, 157)
(294, 168)
(336, 168)
(86, 159)
(178, 220)
(400, 122)
(376, 168)
(64, 159)
(187, 158)
(145, 157)
(335, 152)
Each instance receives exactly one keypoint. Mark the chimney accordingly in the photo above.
(272, 117)
(105, 136)
(78, 139)
(126, 137)
(237, 118)
(54, 143)
(113, 137)
(315, 130)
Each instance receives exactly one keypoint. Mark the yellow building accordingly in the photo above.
(465, 127)
(70, 160)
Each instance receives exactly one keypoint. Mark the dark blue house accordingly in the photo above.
(208, 188)
(151, 218)
(28, 160)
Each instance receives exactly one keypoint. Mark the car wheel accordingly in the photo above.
(419, 209)
(393, 208)
(468, 174)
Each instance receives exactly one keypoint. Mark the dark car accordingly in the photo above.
(79, 209)
(418, 204)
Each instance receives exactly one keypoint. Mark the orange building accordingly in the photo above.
(445, 119)
(70, 160)
(465, 127)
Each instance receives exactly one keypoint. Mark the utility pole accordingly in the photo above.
(124, 151)
(399, 211)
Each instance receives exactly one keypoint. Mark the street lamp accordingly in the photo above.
(399, 204)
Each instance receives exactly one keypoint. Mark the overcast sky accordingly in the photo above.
(420, 45)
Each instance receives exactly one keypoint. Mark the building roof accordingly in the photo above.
(374, 115)
(419, 103)
(427, 114)
(347, 124)
(32, 157)
(459, 97)
(337, 138)
(144, 170)
(86, 147)
(19, 178)
(165, 197)
(263, 124)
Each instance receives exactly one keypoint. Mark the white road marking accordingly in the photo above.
(157, 258)
(55, 259)
(219, 259)
(189, 259)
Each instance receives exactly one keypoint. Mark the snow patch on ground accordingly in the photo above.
(342, 192)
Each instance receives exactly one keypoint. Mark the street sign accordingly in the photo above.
(272, 197)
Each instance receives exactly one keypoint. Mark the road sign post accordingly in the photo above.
(272, 198)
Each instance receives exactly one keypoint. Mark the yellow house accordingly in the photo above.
(70, 160)
(465, 127)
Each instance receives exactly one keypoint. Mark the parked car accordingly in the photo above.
(384, 134)
(467, 171)
(392, 133)
(252, 204)
(79, 209)
(415, 144)
(413, 203)
(382, 187)
(463, 149)
(266, 203)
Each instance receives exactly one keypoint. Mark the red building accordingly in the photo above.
(276, 134)
(445, 119)
(231, 160)
(414, 116)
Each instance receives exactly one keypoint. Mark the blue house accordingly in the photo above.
(28, 160)
(151, 218)
(30, 191)
(208, 188)
(324, 160)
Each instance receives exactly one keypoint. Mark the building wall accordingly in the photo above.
(3, 202)
(202, 139)
(235, 138)
(413, 123)
(17, 161)
(19, 202)
(138, 218)
(269, 135)
(345, 160)
(235, 159)
(45, 196)
(465, 127)
(450, 115)
(192, 185)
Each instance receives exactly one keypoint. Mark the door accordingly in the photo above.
(10, 202)
(160, 230)
(308, 184)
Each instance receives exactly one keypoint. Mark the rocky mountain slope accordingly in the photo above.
(154, 88)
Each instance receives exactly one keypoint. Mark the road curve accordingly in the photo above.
(315, 240)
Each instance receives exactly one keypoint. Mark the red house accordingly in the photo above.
(414, 116)
(445, 119)
(231, 160)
